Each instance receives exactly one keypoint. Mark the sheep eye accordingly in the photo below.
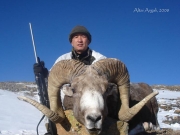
(73, 90)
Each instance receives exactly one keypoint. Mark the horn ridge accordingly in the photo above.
(54, 117)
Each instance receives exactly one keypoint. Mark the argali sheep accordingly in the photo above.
(88, 88)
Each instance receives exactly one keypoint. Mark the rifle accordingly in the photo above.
(42, 92)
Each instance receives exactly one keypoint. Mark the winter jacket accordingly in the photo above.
(88, 57)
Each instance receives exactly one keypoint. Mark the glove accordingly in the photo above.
(40, 68)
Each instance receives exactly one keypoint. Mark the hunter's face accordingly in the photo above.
(80, 43)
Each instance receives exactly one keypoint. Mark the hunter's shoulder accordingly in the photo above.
(97, 54)
(65, 56)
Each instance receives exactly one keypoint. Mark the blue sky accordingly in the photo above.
(148, 43)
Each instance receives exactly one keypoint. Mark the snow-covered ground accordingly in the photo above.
(20, 118)
(166, 97)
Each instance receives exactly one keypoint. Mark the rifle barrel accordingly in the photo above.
(33, 43)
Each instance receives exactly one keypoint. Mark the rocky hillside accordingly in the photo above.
(31, 86)
(167, 87)
(18, 86)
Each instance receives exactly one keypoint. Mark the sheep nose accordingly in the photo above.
(94, 118)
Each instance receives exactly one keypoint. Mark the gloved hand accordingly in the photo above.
(40, 68)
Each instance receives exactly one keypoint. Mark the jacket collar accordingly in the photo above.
(82, 56)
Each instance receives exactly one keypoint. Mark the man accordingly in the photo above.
(80, 38)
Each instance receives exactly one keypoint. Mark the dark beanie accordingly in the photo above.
(79, 29)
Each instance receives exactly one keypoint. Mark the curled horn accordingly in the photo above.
(62, 72)
(117, 73)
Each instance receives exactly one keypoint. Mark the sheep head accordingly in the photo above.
(89, 99)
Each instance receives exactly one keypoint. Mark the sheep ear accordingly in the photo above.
(67, 90)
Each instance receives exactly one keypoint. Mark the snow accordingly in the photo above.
(20, 118)
(167, 97)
